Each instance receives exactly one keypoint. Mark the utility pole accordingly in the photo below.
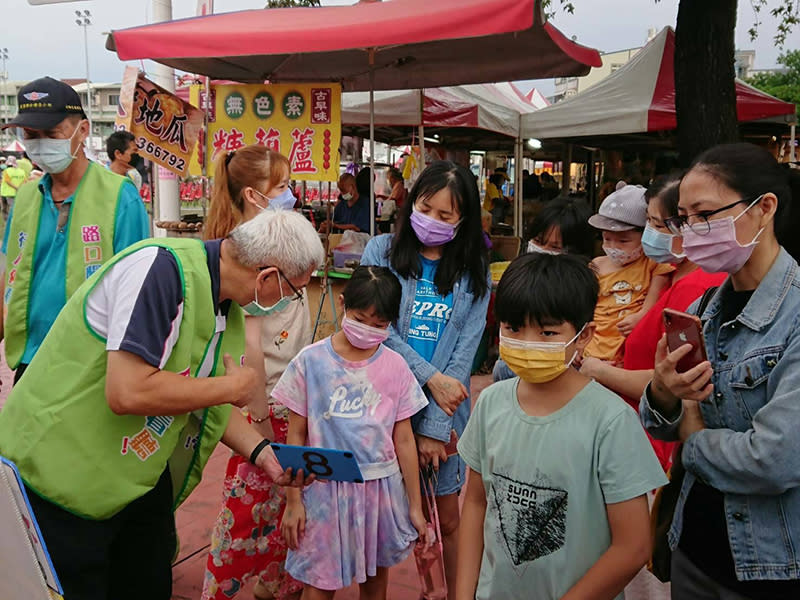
(3, 94)
(84, 20)
(167, 204)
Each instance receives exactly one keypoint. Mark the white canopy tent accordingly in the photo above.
(493, 107)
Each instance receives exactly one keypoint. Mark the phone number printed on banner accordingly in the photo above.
(161, 155)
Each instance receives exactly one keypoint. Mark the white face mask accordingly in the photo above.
(533, 247)
(52, 155)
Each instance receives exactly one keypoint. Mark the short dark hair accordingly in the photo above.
(571, 217)
(374, 287)
(548, 290)
(497, 179)
(666, 188)
(118, 141)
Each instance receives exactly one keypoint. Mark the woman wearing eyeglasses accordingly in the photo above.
(686, 284)
(736, 529)
(246, 540)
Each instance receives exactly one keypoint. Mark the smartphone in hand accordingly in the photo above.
(683, 328)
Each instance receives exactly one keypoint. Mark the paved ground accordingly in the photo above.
(196, 518)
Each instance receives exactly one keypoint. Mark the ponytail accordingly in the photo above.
(224, 211)
(786, 229)
(250, 166)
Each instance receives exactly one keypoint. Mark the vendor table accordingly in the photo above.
(322, 296)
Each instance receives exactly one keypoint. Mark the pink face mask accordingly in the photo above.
(718, 251)
(363, 336)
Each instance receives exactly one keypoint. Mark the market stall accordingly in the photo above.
(403, 44)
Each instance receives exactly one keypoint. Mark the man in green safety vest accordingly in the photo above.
(132, 389)
(64, 226)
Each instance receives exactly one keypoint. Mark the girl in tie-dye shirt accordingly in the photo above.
(350, 392)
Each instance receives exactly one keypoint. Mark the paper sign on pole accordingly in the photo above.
(301, 121)
(28, 570)
(165, 127)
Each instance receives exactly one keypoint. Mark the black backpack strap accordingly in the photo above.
(705, 299)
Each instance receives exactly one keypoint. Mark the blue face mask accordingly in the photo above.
(284, 201)
(255, 309)
(658, 245)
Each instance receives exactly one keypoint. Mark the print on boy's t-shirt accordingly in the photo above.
(532, 517)
(430, 313)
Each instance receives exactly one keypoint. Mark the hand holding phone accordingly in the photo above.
(681, 329)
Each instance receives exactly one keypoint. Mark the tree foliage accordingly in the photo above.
(787, 12)
(783, 84)
(290, 3)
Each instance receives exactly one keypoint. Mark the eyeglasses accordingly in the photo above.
(698, 222)
(298, 294)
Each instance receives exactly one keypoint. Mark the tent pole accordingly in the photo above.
(372, 141)
(566, 171)
(791, 146)
(421, 130)
(518, 187)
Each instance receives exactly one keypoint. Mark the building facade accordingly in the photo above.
(105, 97)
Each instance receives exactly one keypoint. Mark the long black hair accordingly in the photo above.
(466, 253)
(374, 287)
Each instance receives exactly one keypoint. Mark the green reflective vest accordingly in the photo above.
(15, 175)
(90, 242)
(69, 446)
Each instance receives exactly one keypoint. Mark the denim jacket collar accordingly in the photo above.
(767, 298)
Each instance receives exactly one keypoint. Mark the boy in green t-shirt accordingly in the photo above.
(555, 506)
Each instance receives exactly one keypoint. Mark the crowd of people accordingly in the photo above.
(135, 357)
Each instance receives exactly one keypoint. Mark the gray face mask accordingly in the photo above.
(52, 155)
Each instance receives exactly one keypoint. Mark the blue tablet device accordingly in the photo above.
(325, 463)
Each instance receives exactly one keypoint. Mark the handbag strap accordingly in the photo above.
(705, 299)
(433, 511)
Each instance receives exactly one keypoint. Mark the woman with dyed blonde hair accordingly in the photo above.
(246, 540)
(246, 182)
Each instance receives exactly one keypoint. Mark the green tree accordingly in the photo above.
(784, 84)
(288, 3)
(705, 93)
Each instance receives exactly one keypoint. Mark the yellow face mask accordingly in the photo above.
(536, 362)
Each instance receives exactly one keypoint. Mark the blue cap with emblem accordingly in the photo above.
(44, 103)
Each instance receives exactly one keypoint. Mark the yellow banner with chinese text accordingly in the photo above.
(165, 126)
(301, 121)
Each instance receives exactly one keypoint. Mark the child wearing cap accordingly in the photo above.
(630, 283)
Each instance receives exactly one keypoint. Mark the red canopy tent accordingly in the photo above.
(402, 44)
(639, 98)
(416, 44)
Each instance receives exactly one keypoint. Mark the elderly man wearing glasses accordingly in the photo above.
(133, 388)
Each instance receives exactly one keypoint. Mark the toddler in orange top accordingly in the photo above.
(630, 283)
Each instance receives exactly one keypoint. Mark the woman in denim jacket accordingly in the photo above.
(439, 256)
(736, 529)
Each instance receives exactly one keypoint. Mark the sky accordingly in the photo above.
(45, 40)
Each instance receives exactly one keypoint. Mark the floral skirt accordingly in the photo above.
(246, 541)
